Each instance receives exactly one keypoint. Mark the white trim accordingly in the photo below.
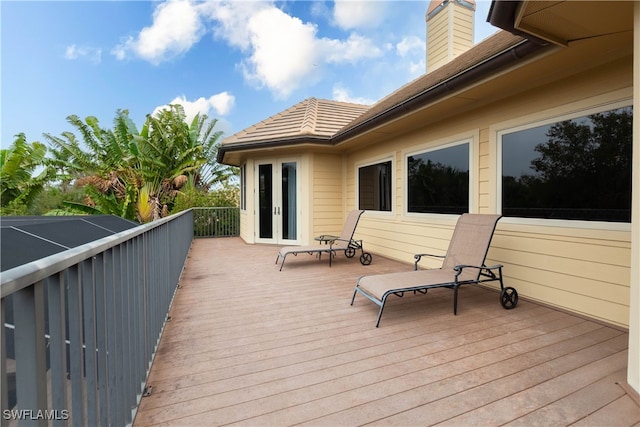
(371, 162)
(451, 142)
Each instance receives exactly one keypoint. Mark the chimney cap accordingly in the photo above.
(439, 4)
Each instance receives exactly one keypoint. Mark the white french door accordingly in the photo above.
(277, 187)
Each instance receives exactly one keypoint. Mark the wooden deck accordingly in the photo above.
(250, 345)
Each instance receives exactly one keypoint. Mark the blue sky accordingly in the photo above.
(237, 61)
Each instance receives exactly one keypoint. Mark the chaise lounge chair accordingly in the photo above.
(463, 264)
(331, 244)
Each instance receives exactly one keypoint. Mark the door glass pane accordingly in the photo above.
(289, 202)
(265, 201)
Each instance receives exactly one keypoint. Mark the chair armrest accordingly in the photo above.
(337, 239)
(418, 257)
(483, 267)
(486, 271)
(326, 238)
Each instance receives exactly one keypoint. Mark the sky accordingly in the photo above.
(239, 62)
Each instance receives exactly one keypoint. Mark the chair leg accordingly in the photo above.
(282, 265)
(455, 300)
(380, 313)
(355, 291)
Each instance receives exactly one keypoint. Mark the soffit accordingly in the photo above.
(562, 22)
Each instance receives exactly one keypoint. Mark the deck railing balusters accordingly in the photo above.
(81, 327)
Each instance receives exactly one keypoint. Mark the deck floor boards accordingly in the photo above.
(251, 345)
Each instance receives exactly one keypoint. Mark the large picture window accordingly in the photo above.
(374, 187)
(438, 181)
(577, 169)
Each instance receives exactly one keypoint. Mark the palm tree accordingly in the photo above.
(137, 174)
(18, 184)
(105, 168)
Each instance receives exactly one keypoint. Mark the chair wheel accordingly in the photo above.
(365, 258)
(349, 252)
(509, 298)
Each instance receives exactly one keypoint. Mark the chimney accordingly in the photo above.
(449, 30)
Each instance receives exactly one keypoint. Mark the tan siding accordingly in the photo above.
(245, 231)
(328, 215)
(583, 270)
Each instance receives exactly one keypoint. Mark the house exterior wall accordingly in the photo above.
(580, 266)
(327, 204)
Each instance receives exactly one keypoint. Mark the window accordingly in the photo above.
(243, 187)
(374, 187)
(438, 181)
(577, 169)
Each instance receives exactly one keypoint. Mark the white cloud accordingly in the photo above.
(281, 52)
(341, 94)
(232, 19)
(350, 14)
(176, 28)
(221, 103)
(410, 44)
(77, 52)
(284, 51)
(352, 50)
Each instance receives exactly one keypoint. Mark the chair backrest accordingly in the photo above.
(470, 242)
(350, 224)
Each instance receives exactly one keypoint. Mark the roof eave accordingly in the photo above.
(267, 144)
(466, 77)
(502, 14)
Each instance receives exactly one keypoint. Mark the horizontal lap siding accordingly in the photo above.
(585, 275)
(328, 214)
(584, 270)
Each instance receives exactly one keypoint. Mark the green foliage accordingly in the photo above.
(191, 197)
(24, 174)
(138, 174)
(53, 197)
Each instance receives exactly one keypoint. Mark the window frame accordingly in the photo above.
(552, 116)
(378, 161)
(243, 187)
(469, 140)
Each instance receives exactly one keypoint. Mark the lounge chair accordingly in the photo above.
(331, 244)
(463, 264)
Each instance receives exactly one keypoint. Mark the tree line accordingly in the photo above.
(167, 165)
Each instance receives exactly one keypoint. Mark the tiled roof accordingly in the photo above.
(333, 122)
(480, 53)
(314, 118)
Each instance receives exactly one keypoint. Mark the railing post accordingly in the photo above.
(89, 328)
(58, 344)
(31, 367)
(4, 382)
(76, 348)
